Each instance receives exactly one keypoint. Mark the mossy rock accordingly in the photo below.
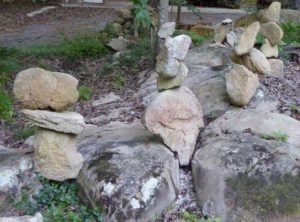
(113, 28)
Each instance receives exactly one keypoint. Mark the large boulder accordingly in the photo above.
(127, 172)
(37, 88)
(238, 176)
(36, 218)
(55, 155)
(257, 62)
(247, 39)
(272, 32)
(271, 14)
(16, 174)
(241, 85)
(176, 116)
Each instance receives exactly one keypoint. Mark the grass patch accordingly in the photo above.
(85, 93)
(59, 202)
(191, 217)
(294, 108)
(196, 38)
(276, 135)
(291, 32)
(24, 132)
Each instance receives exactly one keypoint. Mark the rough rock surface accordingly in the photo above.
(268, 50)
(277, 67)
(178, 46)
(118, 44)
(167, 67)
(257, 62)
(271, 14)
(166, 30)
(176, 116)
(272, 32)
(37, 88)
(128, 172)
(169, 83)
(239, 176)
(55, 155)
(65, 122)
(16, 173)
(247, 39)
(36, 218)
(221, 30)
(241, 85)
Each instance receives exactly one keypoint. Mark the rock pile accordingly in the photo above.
(175, 113)
(55, 154)
(242, 81)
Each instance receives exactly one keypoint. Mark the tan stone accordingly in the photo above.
(221, 30)
(277, 67)
(241, 85)
(247, 39)
(271, 14)
(257, 62)
(246, 20)
(37, 88)
(268, 50)
(169, 83)
(272, 32)
(55, 155)
(176, 116)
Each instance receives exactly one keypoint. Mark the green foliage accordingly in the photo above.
(84, 93)
(119, 82)
(294, 108)
(24, 132)
(213, 116)
(280, 196)
(276, 135)
(142, 12)
(6, 101)
(59, 202)
(191, 217)
(260, 39)
(196, 38)
(291, 32)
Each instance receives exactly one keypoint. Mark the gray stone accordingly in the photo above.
(36, 218)
(277, 67)
(166, 30)
(178, 46)
(166, 66)
(231, 39)
(108, 98)
(176, 116)
(130, 174)
(65, 122)
(118, 44)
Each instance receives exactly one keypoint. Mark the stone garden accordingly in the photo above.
(213, 140)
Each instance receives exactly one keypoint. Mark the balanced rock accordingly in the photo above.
(247, 39)
(66, 122)
(37, 88)
(277, 67)
(178, 46)
(272, 32)
(169, 83)
(166, 30)
(257, 62)
(167, 67)
(221, 30)
(55, 155)
(268, 50)
(271, 14)
(176, 116)
(241, 85)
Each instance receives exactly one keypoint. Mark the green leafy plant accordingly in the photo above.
(119, 82)
(213, 116)
(291, 32)
(6, 101)
(191, 217)
(276, 135)
(294, 108)
(59, 202)
(141, 12)
(260, 39)
(84, 93)
(24, 132)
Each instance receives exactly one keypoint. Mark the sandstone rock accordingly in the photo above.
(277, 67)
(130, 169)
(118, 44)
(272, 32)
(178, 46)
(241, 85)
(16, 174)
(169, 83)
(246, 20)
(55, 155)
(37, 218)
(239, 162)
(66, 122)
(231, 39)
(176, 116)
(167, 67)
(247, 39)
(257, 62)
(268, 50)
(271, 14)
(37, 88)
(166, 30)
(221, 30)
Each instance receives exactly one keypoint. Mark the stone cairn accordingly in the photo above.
(46, 96)
(175, 113)
(242, 82)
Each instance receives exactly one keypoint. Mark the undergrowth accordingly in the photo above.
(291, 32)
(59, 202)
(196, 38)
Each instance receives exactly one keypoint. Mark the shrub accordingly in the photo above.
(24, 132)
(291, 32)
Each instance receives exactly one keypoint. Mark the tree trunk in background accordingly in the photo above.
(178, 17)
(163, 14)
